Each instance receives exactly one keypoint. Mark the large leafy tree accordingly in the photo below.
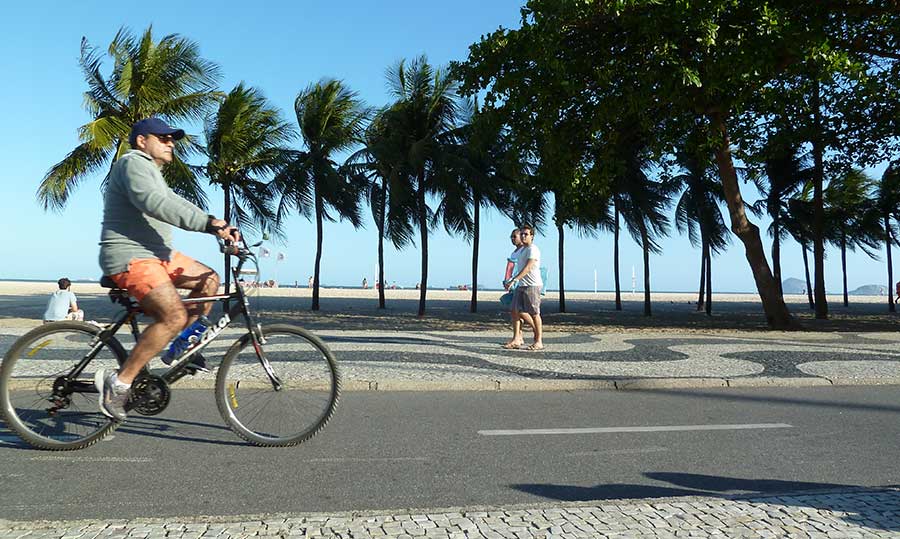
(425, 114)
(245, 141)
(166, 78)
(672, 63)
(331, 119)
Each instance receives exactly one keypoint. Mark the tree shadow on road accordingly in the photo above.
(856, 511)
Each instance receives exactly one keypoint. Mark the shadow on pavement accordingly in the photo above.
(687, 484)
(153, 427)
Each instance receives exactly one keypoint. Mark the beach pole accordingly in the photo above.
(595, 280)
(633, 281)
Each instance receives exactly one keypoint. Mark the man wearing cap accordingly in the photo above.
(136, 252)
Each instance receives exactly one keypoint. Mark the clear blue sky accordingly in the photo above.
(281, 47)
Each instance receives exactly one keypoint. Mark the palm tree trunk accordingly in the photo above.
(809, 289)
(616, 254)
(844, 267)
(476, 213)
(423, 234)
(381, 217)
(776, 256)
(561, 252)
(818, 207)
(777, 314)
(646, 249)
(888, 241)
(319, 212)
(226, 188)
(708, 281)
(702, 271)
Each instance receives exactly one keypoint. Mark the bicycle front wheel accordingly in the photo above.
(262, 415)
(47, 393)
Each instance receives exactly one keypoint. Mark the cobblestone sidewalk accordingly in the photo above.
(435, 360)
(859, 513)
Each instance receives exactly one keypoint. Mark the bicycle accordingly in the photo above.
(276, 386)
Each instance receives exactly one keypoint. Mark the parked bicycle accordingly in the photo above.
(277, 385)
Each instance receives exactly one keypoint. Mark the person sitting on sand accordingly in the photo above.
(63, 304)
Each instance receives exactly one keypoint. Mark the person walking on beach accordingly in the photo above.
(511, 271)
(136, 253)
(63, 304)
(365, 284)
(527, 296)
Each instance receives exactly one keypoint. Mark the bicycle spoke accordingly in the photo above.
(48, 412)
(262, 415)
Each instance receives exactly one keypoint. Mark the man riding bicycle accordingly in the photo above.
(136, 253)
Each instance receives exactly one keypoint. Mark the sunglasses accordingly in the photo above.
(164, 138)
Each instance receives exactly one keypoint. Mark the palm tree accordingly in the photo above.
(380, 163)
(698, 213)
(852, 224)
(244, 140)
(487, 166)
(639, 200)
(786, 171)
(797, 221)
(425, 112)
(887, 207)
(331, 120)
(167, 78)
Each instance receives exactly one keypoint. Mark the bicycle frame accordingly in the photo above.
(180, 366)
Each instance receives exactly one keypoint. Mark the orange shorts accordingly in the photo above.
(145, 274)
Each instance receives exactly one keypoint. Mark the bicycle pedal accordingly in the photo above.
(194, 369)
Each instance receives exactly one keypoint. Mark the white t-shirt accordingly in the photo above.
(533, 277)
(59, 304)
(514, 259)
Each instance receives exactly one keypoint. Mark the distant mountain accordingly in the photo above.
(869, 290)
(793, 286)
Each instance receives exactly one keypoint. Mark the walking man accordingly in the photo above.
(136, 252)
(511, 270)
(527, 283)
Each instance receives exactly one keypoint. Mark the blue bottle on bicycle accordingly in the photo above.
(185, 339)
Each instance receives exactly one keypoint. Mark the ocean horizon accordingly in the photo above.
(357, 287)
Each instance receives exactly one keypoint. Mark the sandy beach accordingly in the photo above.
(22, 304)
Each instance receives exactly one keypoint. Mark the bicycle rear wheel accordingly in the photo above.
(258, 413)
(42, 400)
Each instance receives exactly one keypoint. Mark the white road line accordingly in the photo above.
(92, 459)
(609, 430)
(374, 459)
(605, 452)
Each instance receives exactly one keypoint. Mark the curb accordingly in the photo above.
(36, 525)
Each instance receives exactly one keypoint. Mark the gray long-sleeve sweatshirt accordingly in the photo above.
(138, 214)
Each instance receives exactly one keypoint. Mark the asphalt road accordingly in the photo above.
(425, 450)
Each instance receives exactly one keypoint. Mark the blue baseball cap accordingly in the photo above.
(153, 126)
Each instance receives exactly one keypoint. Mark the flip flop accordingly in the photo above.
(533, 348)
(512, 346)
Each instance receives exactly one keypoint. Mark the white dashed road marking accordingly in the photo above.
(610, 430)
